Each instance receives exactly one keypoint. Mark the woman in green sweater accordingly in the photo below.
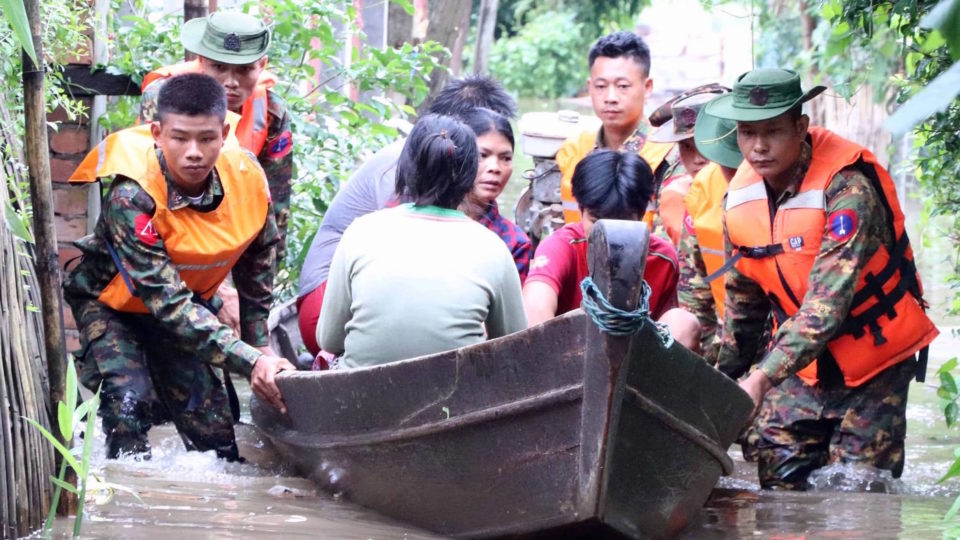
(422, 277)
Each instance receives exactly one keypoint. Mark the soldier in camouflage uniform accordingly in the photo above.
(232, 48)
(155, 366)
(833, 385)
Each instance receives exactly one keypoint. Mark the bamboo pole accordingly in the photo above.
(44, 229)
(193, 9)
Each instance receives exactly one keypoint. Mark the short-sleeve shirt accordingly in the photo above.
(516, 240)
(561, 262)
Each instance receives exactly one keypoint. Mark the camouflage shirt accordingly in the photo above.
(670, 166)
(158, 283)
(276, 157)
(832, 283)
(694, 294)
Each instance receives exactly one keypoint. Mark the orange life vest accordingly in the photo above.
(704, 204)
(672, 210)
(203, 246)
(252, 129)
(576, 148)
(886, 323)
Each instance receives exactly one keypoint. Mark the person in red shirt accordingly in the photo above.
(607, 185)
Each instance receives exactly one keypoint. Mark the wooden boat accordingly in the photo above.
(559, 430)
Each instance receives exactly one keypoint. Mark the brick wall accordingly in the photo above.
(68, 145)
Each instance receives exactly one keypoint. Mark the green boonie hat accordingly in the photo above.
(227, 36)
(716, 139)
(762, 94)
(683, 114)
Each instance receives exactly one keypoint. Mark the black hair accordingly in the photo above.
(613, 185)
(461, 95)
(438, 164)
(192, 94)
(619, 44)
(483, 121)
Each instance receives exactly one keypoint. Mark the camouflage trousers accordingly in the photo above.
(146, 379)
(801, 428)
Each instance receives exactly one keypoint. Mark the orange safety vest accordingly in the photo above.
(704, 204)
(252, 129)
(886, 323)
(203, 246)
(576, 148)
(672, 210)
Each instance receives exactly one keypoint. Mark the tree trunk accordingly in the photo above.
(486, 24)
(449, 21)
(45, 232)
(808, 24)
(193, 9)
(399, 26)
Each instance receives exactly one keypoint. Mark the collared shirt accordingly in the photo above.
(831, 287)
(158, 283)
(276, 156)
(516, 240)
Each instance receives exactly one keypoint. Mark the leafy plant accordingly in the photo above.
(71, 414)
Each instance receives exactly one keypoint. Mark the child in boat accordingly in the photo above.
(495, 145)
(422, 277)
(607, 185)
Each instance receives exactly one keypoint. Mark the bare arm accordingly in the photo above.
(539, 301)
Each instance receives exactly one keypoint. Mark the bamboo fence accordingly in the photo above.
(26, 459)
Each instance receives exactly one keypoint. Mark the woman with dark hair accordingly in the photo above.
(422, 277)
(495, 146)
(607, 185)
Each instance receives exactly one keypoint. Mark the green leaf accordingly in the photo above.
(948, 366)
(952, 472)
(936, 97)
(62, 485)
(948, 383)
(15, 221)
(945, 17)
(16, 14)
(67, 456)
(953, 509)
(65, 420)
(951, 413)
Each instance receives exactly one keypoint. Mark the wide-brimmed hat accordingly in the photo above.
(716, 139)
(683, 114)
(227, 36)
(762, 94)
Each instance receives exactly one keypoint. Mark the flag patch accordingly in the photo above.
(280, 146)
(146, 232)
(842, 224)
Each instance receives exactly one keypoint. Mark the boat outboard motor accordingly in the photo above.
(539, 211)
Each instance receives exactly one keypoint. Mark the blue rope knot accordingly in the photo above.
(615, 321)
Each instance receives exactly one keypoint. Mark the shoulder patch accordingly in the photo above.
(540, 261)
(280, 146)
(146, 232)
(842, 224)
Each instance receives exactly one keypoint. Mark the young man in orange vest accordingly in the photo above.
(700, 250)
(619, 84)
(182, 211)
(232, 48)
(815, 234)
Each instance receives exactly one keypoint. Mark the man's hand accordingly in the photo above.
(263, 379)
(229, 314)
(756, 385)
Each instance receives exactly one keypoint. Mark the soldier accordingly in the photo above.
(700, 249)
(619, 84)
(232, 48)
(182, 211)
(679, 130)
(815, 234)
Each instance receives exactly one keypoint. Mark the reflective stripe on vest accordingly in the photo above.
(252, 128)
(704, 203)
(576, 148)
(203, 246)
(886, 323)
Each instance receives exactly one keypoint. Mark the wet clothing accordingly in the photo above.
(700, 252)
(664, 161)
(193, 337)
(410, 281)
(803, 426)
(516, 240)
(369, 189)
(561, 263)
(275, 155)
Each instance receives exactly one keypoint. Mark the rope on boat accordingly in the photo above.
(618, 322)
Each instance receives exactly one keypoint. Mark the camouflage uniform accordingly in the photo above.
(670, 166)
(802, 427)
(695, 296)
(276, 157)
(158, 366)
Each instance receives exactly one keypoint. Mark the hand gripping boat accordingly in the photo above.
(557, 431)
